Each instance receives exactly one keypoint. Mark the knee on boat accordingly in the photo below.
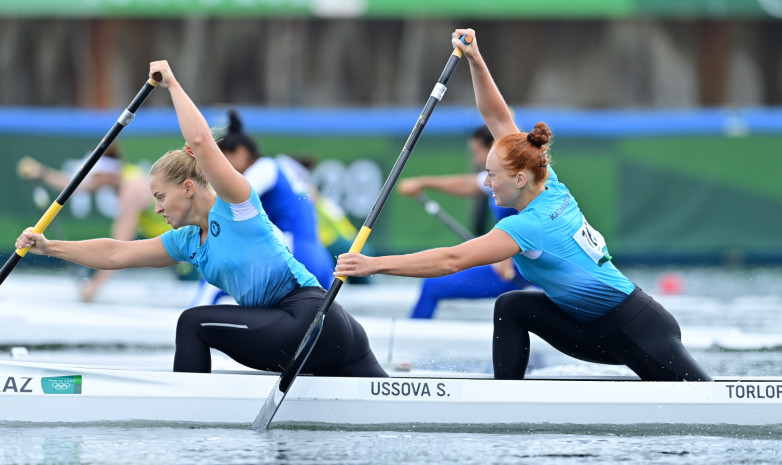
(504, 306)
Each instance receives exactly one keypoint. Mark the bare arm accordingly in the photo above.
(463, 185)
(29, 168)
(490, 248)
(494, 110)
(101, 254)
(133, 197)
(228, 183)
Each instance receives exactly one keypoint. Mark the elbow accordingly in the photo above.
(196, 142)
(199, 139)
(452, 265)
(115, 260)
(111, 264)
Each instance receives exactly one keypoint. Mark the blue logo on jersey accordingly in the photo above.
(214, 228)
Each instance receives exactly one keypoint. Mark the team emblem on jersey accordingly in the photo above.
(214, 228)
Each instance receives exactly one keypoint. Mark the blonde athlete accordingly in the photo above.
(221, 229)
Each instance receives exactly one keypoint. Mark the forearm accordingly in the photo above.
(100, 254)
(427, 264)
(228, 183)
(489, 248)
(60, 180)
(461, 185)
(192, 123)
(489, 100)
(54, 179)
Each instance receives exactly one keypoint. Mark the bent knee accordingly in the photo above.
(506, 304)
(190, 319)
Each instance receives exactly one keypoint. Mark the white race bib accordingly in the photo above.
(592, 242)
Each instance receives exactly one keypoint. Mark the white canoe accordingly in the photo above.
(51, 393)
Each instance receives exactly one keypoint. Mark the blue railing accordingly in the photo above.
(396, 121)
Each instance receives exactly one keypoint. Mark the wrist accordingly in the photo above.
(476, 60)
(48, 248)
(373, 266)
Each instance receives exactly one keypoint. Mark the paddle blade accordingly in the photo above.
(264, 418)
(272, 403)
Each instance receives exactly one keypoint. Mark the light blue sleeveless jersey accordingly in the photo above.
(564, 255)
(243, 254)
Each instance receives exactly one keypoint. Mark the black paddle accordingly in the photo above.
(433, 208)
(124, 119)
(279, 391)
(41, 200)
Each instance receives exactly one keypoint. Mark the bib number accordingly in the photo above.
(592, 242)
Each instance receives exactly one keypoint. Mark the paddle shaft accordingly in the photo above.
(124, 119)
(274, 400)
(58, 232)
(433, 208)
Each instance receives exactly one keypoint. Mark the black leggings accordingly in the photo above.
(639, 333)
(267, 338)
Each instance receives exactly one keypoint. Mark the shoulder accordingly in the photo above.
(262, 165)
(177, 240)
(521, 220)
(238, 211)
(182, 234)
(525, 228)
(553, 184)
(551, 204)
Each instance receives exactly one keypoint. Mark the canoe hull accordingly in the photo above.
(50, 393)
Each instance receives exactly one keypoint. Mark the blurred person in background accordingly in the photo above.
(135, 216)
(480, 282)
(335, 230)
(587, 308)
(221, 228)
(465, 185)
(284, 195)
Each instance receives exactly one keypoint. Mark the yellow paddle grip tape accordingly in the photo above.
(458, 52)
(152, 82)
(358, 244)
(42, 224)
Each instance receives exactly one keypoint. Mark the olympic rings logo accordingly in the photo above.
(61, 386)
